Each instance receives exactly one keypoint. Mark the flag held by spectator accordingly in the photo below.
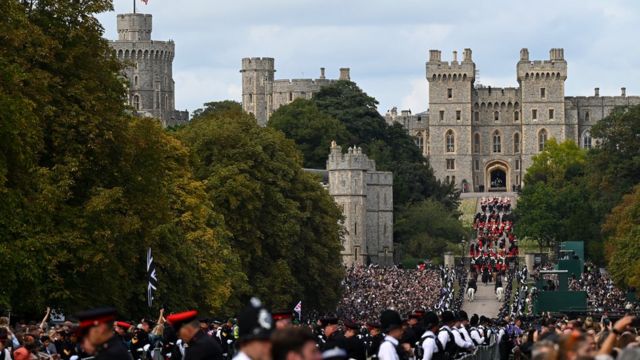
(298, 309)
(151, 275)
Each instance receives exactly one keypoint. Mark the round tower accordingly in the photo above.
(257, 87)
(148, 69)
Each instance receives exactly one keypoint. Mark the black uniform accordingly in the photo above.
(355, 348)
(202, 347)
(336, 340)
(113, 349)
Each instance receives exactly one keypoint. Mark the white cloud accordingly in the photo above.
(386, 43)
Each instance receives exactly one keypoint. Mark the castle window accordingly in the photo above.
(476, 164)
(476, 116)
(517, 164)
(166, 102)
(136, 102)
(453, 179)
(476, 143)
(448, 179)
(157, 101)
(250, 98)
(290, 96)
(451, 164)
(586, 116)
(450, 141)
(419, 141)
(497, 143)
(496, 115)
(542, 139)
(551, 113)
(534, 114)
(586, 140)
(449, 93)
(516, 143)
(441, 115)
(458, 114)
(135, 80)
(543, 93)
(516, 116)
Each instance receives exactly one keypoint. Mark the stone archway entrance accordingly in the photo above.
(497, 176)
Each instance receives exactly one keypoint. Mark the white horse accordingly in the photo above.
(471, 294)
(500, 294)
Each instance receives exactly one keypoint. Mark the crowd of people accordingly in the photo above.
(602, 294)
(495, 244)
(369, 290)
(257, 334)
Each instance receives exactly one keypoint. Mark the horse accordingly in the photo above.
(471, 294)
(500, 294)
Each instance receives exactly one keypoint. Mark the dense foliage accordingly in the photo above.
(622, 248)
(84, 188)
(283, 224)
(570, 192)
(554, 206)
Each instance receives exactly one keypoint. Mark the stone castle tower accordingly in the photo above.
(483, 138)
(366, 199)
(149, 69)
(262, 94)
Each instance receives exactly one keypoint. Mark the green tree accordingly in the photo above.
(85, 189)
(554, 205)
(614, 164)
(427, 229)
(311, 129)
(283, 224)
(622, 231)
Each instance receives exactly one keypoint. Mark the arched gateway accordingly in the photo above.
(497, 176)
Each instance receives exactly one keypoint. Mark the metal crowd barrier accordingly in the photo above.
(484, 352)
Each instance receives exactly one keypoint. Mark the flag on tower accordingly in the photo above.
(146, 2)
(151, 275)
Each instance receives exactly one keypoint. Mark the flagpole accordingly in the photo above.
(134, 6)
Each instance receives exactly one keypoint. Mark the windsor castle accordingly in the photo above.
(480, 138)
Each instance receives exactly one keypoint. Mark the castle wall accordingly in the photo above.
(262, 94)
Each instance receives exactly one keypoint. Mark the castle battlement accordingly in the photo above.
(262, 94)
(148, 70)
(353, 159)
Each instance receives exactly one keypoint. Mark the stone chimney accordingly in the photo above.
(455, 56)
(624, 91)
(322, 73)
(344, 74)
(435, 55)
(597, 91)
(467, 55)
(556, 54)
(524, 54)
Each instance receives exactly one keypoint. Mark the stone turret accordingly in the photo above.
(366, 199)
(257, 87)
(151, 90)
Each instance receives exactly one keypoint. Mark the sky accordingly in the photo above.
(386, 42)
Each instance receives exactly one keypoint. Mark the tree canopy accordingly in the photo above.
(283, 224)
(85, 188)
(622, 247)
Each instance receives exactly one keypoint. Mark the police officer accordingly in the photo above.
(97, 324)
(390, 348)
(431, 347)
(254, 331)
(354, 345)
(198, 346)
(331, 336)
